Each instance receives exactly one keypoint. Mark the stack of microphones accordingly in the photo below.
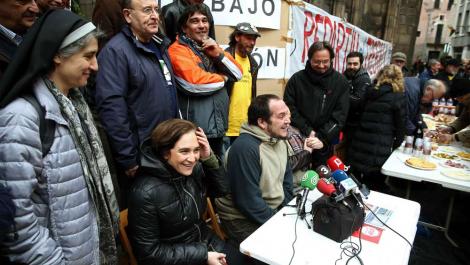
(334, 182)
(339, 212)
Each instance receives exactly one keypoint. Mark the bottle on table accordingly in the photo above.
(418, 139)
(435, 107)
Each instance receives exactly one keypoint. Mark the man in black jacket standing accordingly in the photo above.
(359, 80)
(318, 99)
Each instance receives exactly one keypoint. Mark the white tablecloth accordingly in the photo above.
(272, 242)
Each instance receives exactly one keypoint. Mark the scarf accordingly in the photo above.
(95, 168)
(318, 78)
(199, 51)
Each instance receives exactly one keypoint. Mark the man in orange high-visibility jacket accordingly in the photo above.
(201, 70)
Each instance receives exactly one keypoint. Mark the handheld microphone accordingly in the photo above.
(327, 188)
(362, 187)
(323, 171)
(344, 182)
(309, 182)
(335, 163)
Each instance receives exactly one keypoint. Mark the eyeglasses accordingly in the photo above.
(320, 62)
(149, 10)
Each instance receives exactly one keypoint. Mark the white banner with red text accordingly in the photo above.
(311, 24)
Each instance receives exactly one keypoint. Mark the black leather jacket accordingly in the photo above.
(165, 208)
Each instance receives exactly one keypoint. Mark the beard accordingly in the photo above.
(350, 73)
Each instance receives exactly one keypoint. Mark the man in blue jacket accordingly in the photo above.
(135, 87)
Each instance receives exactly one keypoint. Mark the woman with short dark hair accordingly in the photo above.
(168, 198)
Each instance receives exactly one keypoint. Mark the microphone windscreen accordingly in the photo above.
(309, 180)
(339, 175)
(325, 187)
(323, 171)
(335, 163)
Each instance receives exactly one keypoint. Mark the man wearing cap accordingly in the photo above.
(241, 44)
(15, 18)
(202, 69)
(135, 87)
(172, 12)
(456, 130)
(399, 59)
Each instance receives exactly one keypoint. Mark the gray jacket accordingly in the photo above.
(55, 217)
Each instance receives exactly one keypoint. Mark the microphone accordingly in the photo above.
(344, 183)
(335, 163)
(328, 189)
(309, 182)
(323, 171)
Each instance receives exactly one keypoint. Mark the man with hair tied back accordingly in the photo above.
(258, 171)
(242, 42)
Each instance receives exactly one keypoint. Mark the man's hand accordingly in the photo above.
(131, 171)
(312, 134)
(445, 138)
(314, 143)
(444, 129)
(205, 151)
(211, 48)
(306, 147)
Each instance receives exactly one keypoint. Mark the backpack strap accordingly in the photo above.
(46, 127)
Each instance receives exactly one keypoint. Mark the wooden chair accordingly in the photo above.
(213, 218)
(124, 239)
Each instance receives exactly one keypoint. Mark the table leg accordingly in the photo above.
(444, 229)
(408, 189)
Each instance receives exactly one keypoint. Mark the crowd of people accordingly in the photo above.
(142, 109)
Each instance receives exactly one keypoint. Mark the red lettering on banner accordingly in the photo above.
(327, 22)
(338, 44)
(307, 33)
(318, 19)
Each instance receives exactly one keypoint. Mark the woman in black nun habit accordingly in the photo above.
(66, 210)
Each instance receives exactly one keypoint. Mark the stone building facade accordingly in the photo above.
(434, 29)
(395, 21)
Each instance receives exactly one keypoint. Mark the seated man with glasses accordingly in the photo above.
(318, 98)
(135, 87)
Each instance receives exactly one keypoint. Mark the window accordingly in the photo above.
(450, 4)
(439, 34)
(458, 26)
(465, 22)
(437, 3)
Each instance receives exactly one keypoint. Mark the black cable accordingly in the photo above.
(411, 246)
(351, 250)
(295, 239)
